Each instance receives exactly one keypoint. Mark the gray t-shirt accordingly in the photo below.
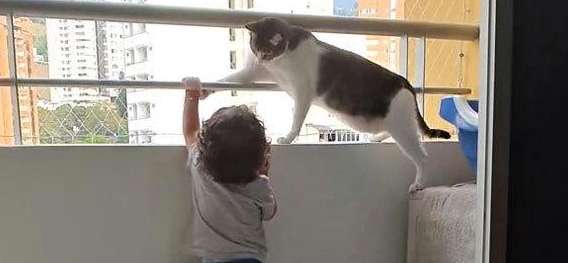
(227, 219)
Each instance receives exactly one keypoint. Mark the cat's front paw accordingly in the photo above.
(415, 187)
(284, 140)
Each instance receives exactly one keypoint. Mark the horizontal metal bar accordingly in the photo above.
(145, 84)
(444, 91)
(157, 14)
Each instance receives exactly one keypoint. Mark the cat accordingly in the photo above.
(364, 95)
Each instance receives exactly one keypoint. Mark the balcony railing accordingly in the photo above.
(153, 14)
(119, 12)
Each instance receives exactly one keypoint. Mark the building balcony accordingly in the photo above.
(138, 68)
(337, 202)
(139, 39)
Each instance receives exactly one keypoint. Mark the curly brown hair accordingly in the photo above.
(232, 145)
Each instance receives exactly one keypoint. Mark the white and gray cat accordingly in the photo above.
(364, 95)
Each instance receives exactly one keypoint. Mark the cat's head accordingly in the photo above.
(268, 37)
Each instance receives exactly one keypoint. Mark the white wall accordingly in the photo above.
(338, 203)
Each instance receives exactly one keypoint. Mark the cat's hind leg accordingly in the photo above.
(402, 125)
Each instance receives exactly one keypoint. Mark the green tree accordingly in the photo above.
(99, 123)
(40, 38)
(40, 43)
(121, 102)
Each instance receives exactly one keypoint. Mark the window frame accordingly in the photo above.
(495, 22)
(220, 18)
(495, 51)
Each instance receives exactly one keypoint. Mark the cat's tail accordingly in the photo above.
(431, 133)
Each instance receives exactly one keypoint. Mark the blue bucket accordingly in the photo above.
(464, 118)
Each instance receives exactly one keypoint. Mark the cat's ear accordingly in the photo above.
(276, 39)
(252, 26)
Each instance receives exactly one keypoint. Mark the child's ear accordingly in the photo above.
(276, 39)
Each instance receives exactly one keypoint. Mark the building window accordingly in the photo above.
(133, 137)
(136, 28)
(144, 111)
(141, 28)
(233, 59)
(129, 56)
(132, 111)
(145, 137)
(82, 74)
(80, 33)
(79, 26)
(250, 3)
(141, 137)
(142, 77)
(231, 4)
(141, 54)
(232, 36)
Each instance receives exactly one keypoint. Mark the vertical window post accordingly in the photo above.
(403, 56)
(420, 72)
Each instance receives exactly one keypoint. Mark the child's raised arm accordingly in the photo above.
(193, 93)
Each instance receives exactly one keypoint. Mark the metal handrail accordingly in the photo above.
(157, 14)
(36, 82)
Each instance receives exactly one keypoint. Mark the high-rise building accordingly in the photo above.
(72, 46)
(382, 50)
(81, 49)
(6, 125)
(27, 66)
(110, 53)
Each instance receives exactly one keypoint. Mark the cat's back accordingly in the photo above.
(352, 84)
